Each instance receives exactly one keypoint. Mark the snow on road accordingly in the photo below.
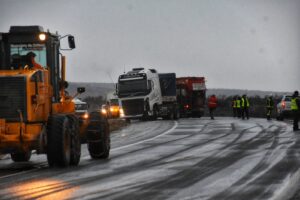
(193, 158)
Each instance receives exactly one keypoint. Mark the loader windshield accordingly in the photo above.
(18, 54)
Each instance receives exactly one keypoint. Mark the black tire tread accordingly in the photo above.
(98, 137)
(55, 138)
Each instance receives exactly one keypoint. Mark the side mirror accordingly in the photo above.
(80, 90)
(71, 41)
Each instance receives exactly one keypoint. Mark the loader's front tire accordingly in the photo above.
(21, 156)
(75, 141)
(59, 141)
(98, 137)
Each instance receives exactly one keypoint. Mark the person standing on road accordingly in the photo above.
(212, 105)
(270, 105)
(233, 105)
(238, 106)
(245, 106)
(295, 105)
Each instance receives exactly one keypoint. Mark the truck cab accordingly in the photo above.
(139, 92)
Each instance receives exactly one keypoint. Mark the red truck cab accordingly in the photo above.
(191, 96)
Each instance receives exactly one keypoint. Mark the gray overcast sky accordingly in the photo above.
(241, 44)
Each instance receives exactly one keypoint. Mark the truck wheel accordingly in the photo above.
(75, 141)
(176, 114)
(155, 113)
(59, 141)
(98, 137)
(171, 115)
(21, 156)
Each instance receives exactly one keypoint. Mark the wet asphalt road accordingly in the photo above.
(187, 159)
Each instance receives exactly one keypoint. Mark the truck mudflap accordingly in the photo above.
(169, 111)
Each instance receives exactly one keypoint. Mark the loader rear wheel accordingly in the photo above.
(59, 141)
(75, 141)
(98, 137)
(21, 156)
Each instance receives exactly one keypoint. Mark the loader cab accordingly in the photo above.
(20, 40)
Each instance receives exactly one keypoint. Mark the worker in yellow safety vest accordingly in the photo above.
(233, 105)
(270, 106)
(238, 106)
(245, 106)
(295, 104)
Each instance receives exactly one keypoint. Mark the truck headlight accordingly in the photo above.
(103, 111)
(85, 116)
(121, 112)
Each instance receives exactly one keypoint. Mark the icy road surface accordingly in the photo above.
(186, 159)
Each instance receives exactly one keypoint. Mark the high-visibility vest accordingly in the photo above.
(294, 105)
(212, 102)
(238, 103)
(247, 102)
(270, 103)
(234, 103)
(243, 103)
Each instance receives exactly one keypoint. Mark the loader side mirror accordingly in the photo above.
(71, 41)
(80, 90)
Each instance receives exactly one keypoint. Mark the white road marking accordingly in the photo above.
(136, 143)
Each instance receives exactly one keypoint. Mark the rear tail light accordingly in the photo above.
(186, 106)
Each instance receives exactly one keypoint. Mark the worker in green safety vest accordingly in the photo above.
(238, 106)
(295, 105)
(245, 107)
(270, 106)
(233, 105)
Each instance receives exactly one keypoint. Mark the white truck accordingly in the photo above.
(145, 94)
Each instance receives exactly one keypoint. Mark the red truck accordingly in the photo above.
(191, 96)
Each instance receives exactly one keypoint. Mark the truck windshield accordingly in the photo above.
(133, 88)
(19, 58)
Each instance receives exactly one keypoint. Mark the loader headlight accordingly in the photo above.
(42, 36)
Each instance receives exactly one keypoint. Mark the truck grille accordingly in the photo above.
(133, 107)
(12, 98)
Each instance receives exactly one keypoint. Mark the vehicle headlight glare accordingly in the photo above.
(42, 36)
(86, 116)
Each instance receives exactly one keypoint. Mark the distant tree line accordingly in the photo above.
(257, 106)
